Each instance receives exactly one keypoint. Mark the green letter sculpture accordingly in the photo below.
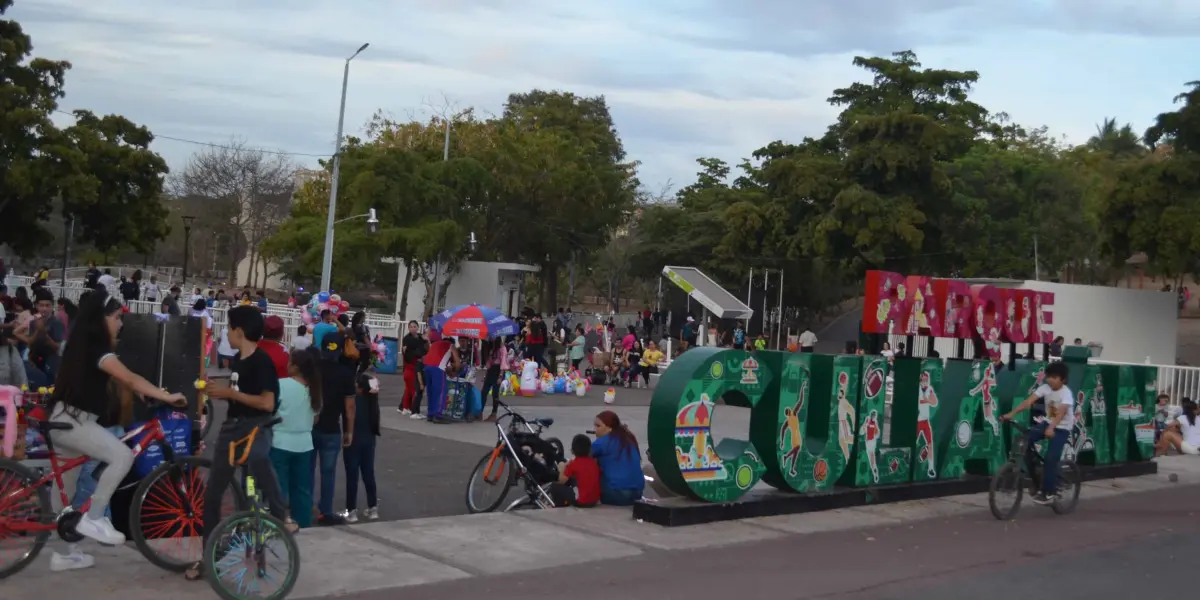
(808, 443)
(976, 444)
(877, 463)
(682, 411)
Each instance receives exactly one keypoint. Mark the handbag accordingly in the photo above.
(350, 350)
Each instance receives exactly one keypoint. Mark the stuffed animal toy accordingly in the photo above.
(529, 379)
(610, 396)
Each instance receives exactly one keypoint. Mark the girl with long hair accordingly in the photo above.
(1183, 433)
(292, 446)
(616, 449)
(81, 400)
(359, 457)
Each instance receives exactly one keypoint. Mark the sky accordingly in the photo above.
(684, 79)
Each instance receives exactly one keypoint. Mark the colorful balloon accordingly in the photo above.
(323, 297)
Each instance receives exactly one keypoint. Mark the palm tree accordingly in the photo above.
(1117, 141)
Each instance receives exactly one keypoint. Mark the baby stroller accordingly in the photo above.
(521, 458)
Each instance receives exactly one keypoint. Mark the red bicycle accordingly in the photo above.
(165, 517)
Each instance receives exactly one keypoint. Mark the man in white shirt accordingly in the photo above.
(808, 340)
(150, 291)
(108, 281)
(1055, 426)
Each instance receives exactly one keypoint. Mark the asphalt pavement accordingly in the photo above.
(1115, 547)
(417, 475)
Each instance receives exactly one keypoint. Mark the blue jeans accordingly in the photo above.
(327, 446)
(358, 459)
(619, 497)
(86, 484)
(295, 473)
(1054, 451)
(435, 385)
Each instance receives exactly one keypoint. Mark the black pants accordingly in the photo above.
(359, 459)
(221, 474)
(537, 352)
(491, 383)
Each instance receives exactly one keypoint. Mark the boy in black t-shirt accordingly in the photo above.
(253, 396)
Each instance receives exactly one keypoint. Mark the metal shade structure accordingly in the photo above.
(714, 298)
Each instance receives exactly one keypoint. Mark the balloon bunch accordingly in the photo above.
(320, 303)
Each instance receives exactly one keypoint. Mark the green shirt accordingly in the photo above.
(577, 350)
(760, 344)
(294, 433)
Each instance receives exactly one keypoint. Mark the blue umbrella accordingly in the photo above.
(473, 321)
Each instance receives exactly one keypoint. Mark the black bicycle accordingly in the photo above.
(520, 456)
(251, 554)
(1024, 468)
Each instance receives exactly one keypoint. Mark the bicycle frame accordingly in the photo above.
(151, 433)
(504, 443)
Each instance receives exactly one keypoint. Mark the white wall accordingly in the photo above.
(484, 283)
(1132, 324)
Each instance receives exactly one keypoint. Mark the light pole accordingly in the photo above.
(187, 245)
(327, 260)
(70, 233)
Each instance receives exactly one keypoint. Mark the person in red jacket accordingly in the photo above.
(272, 344)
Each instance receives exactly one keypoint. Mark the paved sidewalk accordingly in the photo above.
(383, 556)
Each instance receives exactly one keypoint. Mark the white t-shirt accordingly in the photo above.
(808, 339)
(1054, 399)
(302, 342)
(150, 291)
(109, 282)
(1191, 433)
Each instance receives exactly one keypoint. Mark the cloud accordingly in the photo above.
(684, 78)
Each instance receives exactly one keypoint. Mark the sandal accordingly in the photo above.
(194, 572)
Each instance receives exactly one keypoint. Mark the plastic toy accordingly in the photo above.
(610, 396)
(529, 379)
(506, 388)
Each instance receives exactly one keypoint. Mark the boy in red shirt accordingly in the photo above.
(582, 473)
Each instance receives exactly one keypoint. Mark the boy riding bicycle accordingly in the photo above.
(1055, 426)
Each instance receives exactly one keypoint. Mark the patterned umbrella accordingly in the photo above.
(473, 321)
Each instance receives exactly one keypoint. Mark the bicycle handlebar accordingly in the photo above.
(1018, 426)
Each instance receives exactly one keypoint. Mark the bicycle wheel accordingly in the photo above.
(1070, 481)
(19, 548)
(1005, 491)
(237, 569)
(166, 518)
(493, 475)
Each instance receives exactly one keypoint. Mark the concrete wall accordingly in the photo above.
(1132, 324)
(500, 285)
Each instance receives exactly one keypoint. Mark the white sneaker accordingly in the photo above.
(405, 411)
(371, 514)
(417, 417)
(351, 516)
(74, 559)
(101, 530)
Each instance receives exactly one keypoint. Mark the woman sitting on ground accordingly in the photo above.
(1183, 433)
(616, 449)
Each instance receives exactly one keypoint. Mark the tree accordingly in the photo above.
(98, 171)
(1180, 128)
(256, 185)
(561, 178)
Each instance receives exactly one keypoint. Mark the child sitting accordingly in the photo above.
(582, 474)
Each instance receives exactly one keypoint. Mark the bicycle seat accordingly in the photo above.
(47, 425)
(544, 422)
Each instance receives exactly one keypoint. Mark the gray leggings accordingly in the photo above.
(87, 437)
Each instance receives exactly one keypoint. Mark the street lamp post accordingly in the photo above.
(187, 244)
(70, 233)
(327, 260)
